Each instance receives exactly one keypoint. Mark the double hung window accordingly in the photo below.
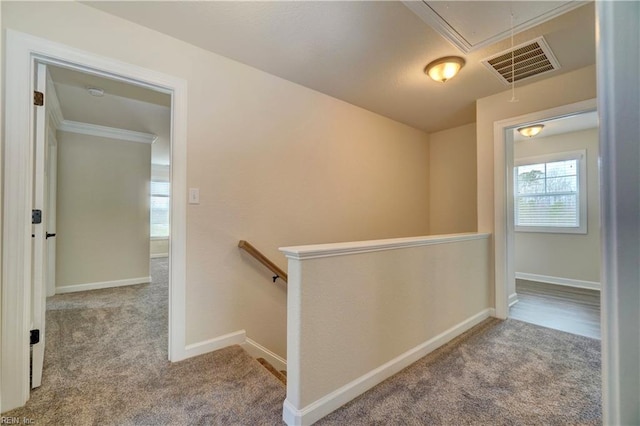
(550, 193)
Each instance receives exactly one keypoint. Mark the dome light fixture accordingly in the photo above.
(444, 68)
(531, 131)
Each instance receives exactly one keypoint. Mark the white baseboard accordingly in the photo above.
(157, 255)
(325, 405)
(104, 284)
(591, 285)
(195, 349)
(258, 351)
(513, 299)
(236, 338)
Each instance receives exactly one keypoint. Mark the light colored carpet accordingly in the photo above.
(500, 373)
(106, 364)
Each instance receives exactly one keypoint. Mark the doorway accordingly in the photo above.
(504, 232)
(106, 139)
(24, 52)
(554, 203)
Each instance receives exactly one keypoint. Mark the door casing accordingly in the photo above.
(23, 52)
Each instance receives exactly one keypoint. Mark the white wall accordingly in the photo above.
(276, 164)
(564, 89)
(360, 312)
(452, 180)
(574, 257)
(102, 210)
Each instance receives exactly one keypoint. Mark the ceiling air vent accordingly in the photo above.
(530, 59)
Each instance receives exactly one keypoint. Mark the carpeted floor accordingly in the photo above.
(500, 373)
(106, 363)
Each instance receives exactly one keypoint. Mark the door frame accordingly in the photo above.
(504, 240)
(22, 53)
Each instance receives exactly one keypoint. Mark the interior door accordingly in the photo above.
(39, 230)
(51, 176)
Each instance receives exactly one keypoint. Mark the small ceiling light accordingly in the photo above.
(444, 68)
(531, 131)
(95, 91)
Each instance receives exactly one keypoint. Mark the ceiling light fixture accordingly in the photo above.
(531, 131)
(95, 91)
(444, 68)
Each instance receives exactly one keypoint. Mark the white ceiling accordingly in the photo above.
(569, 124)
(368, 53)
(123, 106)
(471, 25)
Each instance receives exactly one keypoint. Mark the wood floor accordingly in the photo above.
(569, 309)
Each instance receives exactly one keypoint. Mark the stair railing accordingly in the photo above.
(279, 273)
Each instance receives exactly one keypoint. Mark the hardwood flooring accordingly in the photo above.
(569, 309)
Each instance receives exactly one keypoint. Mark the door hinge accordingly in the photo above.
(34, 337)
(38, 98)
(36, 216)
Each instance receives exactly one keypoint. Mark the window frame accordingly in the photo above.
(168, 196)
(581, 193)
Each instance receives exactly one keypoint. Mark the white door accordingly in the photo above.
(39, 229)
(51, 176)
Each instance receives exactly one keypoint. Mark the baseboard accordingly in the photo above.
(513, 299)
(591, 285)
(157, 255)
(220, 342)
(258, 351)
(320, 408)
(104, 284)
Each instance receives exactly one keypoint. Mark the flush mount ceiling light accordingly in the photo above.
(531, 131)
(95, 91)
(444, 68)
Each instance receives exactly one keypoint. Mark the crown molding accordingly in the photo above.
(106, 132)
(59, 122)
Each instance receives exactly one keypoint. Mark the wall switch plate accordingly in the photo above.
(194, 195)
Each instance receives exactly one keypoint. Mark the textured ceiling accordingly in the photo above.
(370, 54)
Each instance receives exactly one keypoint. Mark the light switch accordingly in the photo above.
(194, 195)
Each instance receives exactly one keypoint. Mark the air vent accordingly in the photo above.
(530, 59)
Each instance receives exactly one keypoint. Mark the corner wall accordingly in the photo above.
(452, 180)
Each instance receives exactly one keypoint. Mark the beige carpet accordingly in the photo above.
(106, 364)
(499, 373)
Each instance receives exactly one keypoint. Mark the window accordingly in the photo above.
(160, 209)
(550, 193)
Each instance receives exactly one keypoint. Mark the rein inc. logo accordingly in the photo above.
(16, 421)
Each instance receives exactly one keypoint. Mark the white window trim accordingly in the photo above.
(581, 156)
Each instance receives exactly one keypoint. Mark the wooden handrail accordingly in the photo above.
(264, 260)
